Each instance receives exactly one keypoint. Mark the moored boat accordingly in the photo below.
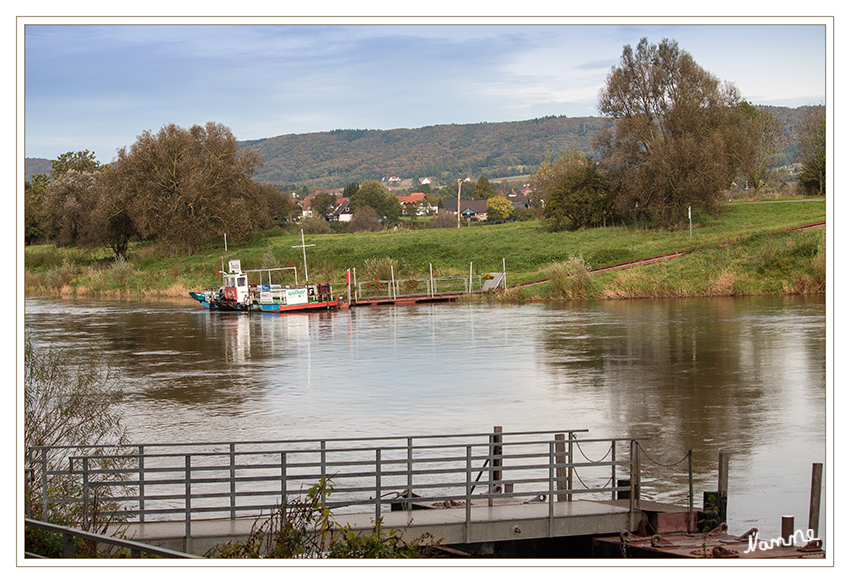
(237, 295)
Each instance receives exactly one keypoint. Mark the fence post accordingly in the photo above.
(409, 473)
(467, 535)
(44, 504)
(232, 481)
(85, 493)
(495, 461)
(142, 484)
(614, 469)
(561, 471)
(283, 493)
(377, 487)
(570, 467)
(323, 465)
(690, 484)
(551, 497)
(68, 551)
(632, 478)
(187, 465)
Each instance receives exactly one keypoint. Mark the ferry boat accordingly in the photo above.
(237, 295)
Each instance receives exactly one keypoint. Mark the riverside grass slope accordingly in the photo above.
(757, 259)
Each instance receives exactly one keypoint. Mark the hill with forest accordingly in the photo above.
(335, 158)
(445, 152)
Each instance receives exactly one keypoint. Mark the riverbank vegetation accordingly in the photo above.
(661, 180)
(754, 261)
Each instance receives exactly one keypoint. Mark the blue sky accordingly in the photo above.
(97, 87)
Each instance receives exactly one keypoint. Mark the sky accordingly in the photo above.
(96, 85)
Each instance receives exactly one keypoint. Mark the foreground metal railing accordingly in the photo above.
(185, 482)
(137, 550)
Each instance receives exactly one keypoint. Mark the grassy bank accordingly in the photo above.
(780, 263)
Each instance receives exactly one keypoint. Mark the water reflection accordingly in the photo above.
(745, 376)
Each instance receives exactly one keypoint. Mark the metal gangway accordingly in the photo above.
(373, 477)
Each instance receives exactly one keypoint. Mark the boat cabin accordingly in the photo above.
(235, 282)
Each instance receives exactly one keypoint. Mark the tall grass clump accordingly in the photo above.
(120, 272)
(59, 276)
(381, 268)
(570, 279)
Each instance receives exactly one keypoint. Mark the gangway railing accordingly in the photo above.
(230, 480)
(135, 550)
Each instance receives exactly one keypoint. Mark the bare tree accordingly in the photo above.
(671, 144)
(187, 185)
(811, 141)
(67, 403)
(762, 140)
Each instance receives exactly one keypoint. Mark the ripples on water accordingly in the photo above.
(746, 376)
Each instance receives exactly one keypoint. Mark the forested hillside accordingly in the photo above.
(332, 159)
(446, 152)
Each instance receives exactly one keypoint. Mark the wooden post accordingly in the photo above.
(814, 498)
(787, 530)
(690, 482)
(560, 472)
(723, 485)
(723, 474)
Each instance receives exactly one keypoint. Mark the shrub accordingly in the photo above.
(316, 226)
(570, 279)
(304, 528)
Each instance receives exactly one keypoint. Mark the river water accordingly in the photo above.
(746, 376)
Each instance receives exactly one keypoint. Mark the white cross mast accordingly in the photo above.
(304, 251)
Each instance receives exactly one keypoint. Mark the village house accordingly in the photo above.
(469, 209)
(417, 204)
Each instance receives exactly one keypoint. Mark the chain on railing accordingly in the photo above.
(690, 459)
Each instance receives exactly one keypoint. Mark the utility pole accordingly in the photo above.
(459, 182)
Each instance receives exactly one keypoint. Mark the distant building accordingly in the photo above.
(470, 209)
(417, 204)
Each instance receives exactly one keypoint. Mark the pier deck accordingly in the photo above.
(448, 526)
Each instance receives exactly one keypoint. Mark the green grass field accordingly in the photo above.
(527, 250)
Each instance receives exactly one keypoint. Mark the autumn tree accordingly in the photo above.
(499, 209)
(811, 142)
(762, 139)
(670, 147)
(373, 194)
(574, 192)
(186, 185)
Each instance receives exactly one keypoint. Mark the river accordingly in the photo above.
(742, 375)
